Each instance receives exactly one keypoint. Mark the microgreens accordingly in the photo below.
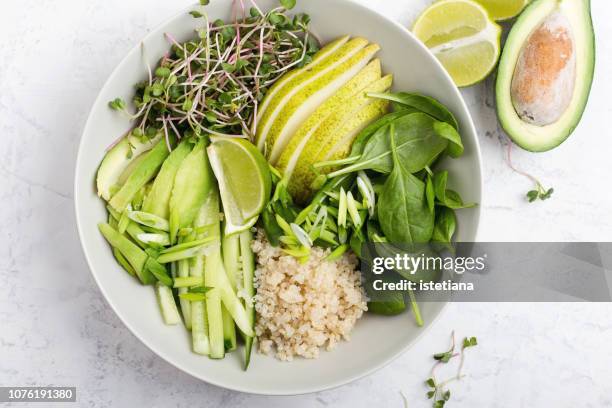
(539, 192)
(438, 391)
(214, 83)
(117, 104)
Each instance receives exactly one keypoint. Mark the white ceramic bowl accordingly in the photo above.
(376, 340)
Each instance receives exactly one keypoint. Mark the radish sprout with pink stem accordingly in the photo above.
(213, 84)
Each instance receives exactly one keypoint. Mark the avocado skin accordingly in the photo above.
(535, 138)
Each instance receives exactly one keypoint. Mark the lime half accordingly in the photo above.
(244, 181)
(501, 10)
(462, 36)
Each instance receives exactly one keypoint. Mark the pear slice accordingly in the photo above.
(298, 82)
(301, 188)
(319, 57)
(329, 54)
(288, 159)
(333, 134)
(365, 116)
(304, 102)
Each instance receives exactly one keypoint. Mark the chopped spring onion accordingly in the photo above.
(154, 238)
(159, 271)
(353, 211)
(337, 253)
(188, 281)
(342, 209)
(301, 235)
(367, 191)
(150, 220)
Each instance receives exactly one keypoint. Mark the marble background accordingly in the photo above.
(55, 327)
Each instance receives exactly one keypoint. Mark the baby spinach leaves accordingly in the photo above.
(446, 197)
(403, 211)
(445, 226)
(418, 144)
(422, 103)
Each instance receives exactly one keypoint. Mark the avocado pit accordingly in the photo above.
(545, 73)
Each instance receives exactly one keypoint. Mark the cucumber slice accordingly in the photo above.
(182, 271)
(167, 304)
(213, 267)
(231, 257)
(199, 321)
(229, 331)
(231, 261)
(248, 276)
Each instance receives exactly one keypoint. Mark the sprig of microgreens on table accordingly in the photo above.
(539, 192)
(214, 83)
(439, 392)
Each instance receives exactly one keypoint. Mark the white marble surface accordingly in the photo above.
(55, 327)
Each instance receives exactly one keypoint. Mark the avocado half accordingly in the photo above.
(545, 73)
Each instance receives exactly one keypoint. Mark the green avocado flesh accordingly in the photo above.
(545, 73)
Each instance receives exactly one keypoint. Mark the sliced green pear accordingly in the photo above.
(296, 83)
(319, 57)
(116, 162)
(288, 159)
(304, 102)
(366, 115)
(334, 133)
(301, 186)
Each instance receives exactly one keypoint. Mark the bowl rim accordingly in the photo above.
(210, 379)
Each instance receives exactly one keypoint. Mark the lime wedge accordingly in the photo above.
(462, 36)
(244, 181)
(501, 10)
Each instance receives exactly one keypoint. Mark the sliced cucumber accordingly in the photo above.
(199, 321)
(248, 276)
(213, 268)
(167, 304)
(231, 261)
(231, 257)
(182, 271)
(229, 330)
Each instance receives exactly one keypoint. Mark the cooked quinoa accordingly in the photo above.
(304, 307)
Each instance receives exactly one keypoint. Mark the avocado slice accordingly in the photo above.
(115, 166)
(545, 73)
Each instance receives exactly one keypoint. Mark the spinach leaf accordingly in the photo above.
(430, 193)
(424, 273)
(432, 107)
(403, 213)
(363, 136)
(446, 197)
(389, 307)
(455, 145)
(445, 226)
(418, 145)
